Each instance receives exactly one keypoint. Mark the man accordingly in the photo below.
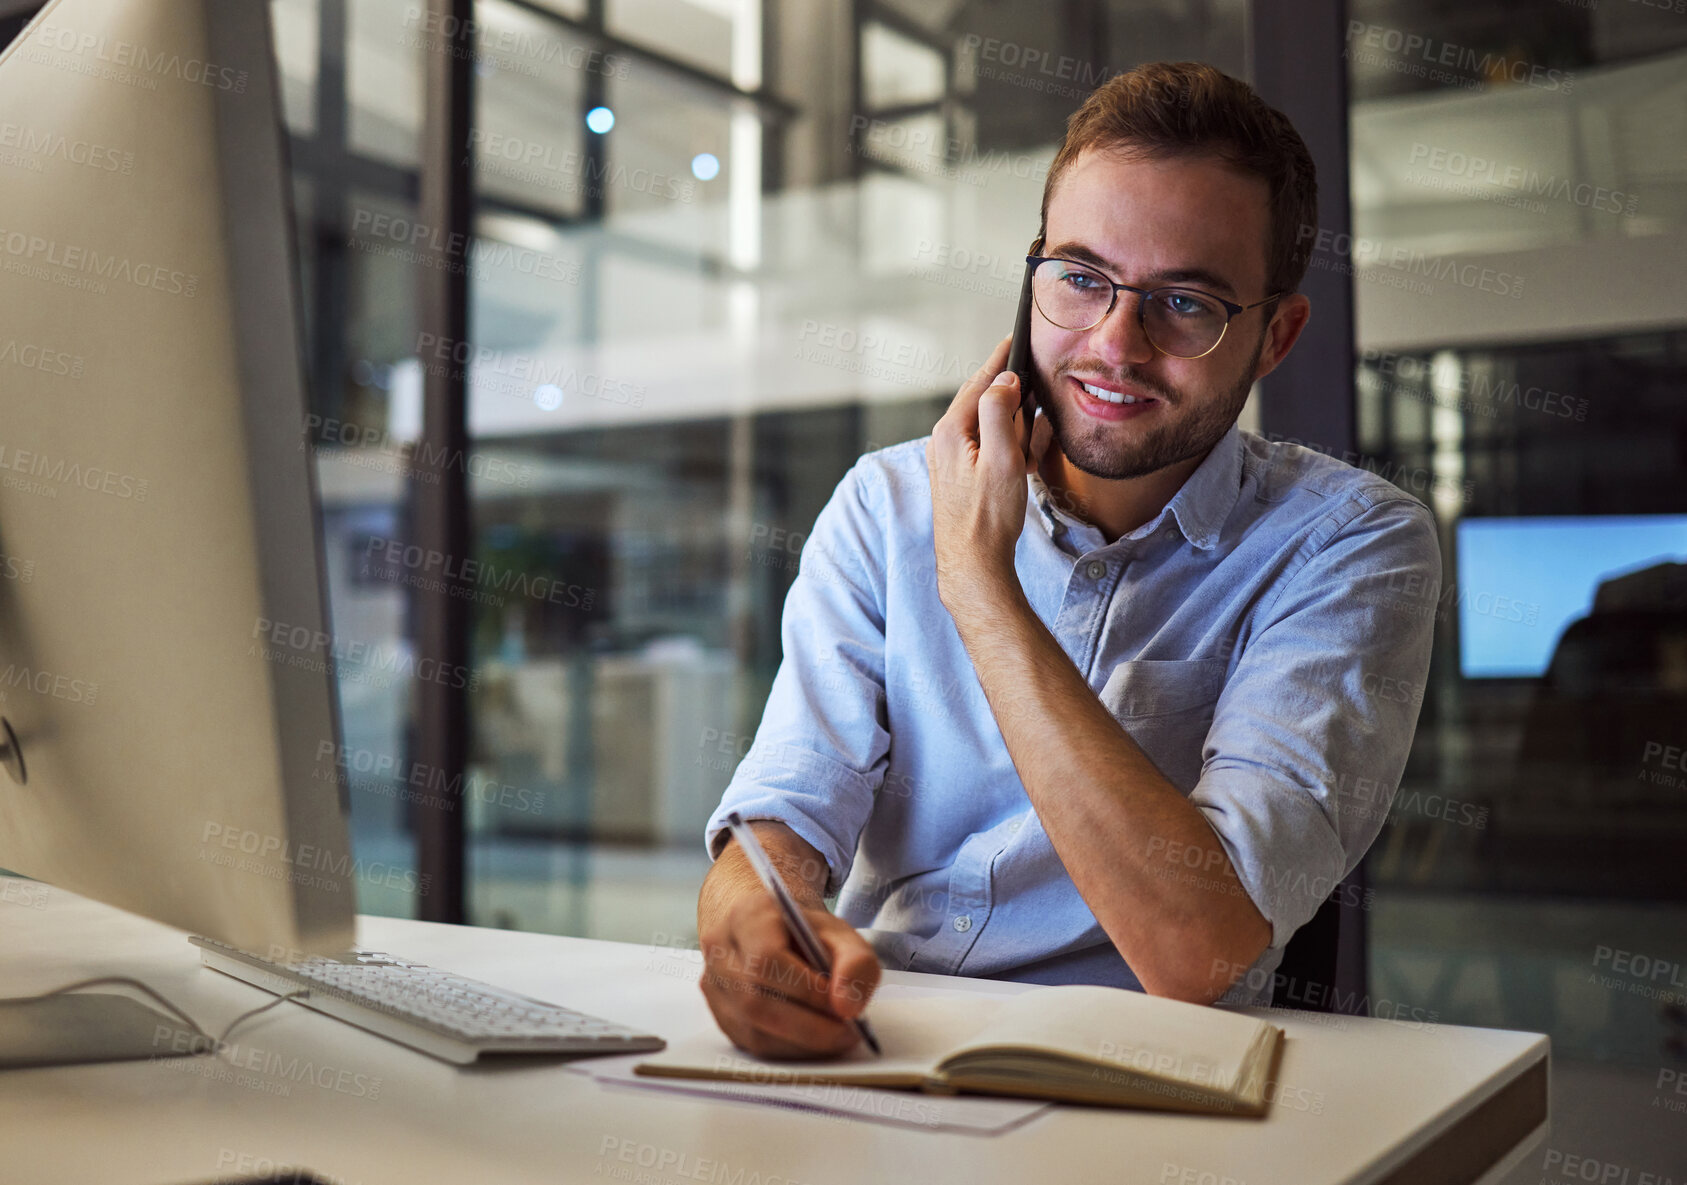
(1110, 704)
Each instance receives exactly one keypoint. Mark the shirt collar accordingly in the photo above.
(1201, 506)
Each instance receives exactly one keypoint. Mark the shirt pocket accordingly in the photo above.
(1166, 705)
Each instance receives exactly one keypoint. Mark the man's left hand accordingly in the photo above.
(978, 457)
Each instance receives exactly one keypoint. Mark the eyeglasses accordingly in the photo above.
(1182, 322)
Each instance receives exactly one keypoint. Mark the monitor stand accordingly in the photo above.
(78, 1027)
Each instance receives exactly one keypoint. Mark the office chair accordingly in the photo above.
(1325, 965)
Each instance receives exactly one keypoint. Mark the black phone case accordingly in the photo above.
(1019, 351)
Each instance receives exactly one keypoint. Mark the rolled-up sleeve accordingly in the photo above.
(1311, 733)
(819, 753)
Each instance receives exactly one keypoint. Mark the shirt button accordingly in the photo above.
(1097, 569)
(963, 923)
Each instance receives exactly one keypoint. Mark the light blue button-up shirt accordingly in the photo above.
(1264, 639)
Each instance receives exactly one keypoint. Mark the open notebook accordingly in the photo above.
(1073, 1043)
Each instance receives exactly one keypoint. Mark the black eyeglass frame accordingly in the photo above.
(1230, 307)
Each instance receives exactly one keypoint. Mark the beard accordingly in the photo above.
(1186, 424)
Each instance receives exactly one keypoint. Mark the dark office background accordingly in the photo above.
(684, 326)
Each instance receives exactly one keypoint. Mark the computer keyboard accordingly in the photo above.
(436, 1012)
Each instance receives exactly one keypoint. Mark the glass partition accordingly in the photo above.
(1519, 190)
(803, 241)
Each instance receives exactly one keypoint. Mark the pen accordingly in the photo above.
(807, 942)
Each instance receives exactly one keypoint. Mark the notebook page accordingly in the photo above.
(1169, 1039)
(915, 1032)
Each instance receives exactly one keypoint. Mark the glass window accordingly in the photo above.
(663, 124)
(294, 26)
(381, 270)
(364, 452)
(697, 32)
(897, 69)
(1520, 369)
(386, 39)
(677, 414)
(530, 134)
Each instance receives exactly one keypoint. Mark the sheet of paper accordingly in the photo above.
(975, 1114)
(953, 1019)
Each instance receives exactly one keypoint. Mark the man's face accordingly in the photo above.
(1194, 222)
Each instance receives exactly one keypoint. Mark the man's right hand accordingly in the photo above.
(765, 997)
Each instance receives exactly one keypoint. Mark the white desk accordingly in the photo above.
(1361, 1100)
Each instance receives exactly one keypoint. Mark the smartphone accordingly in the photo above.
(1019, 355)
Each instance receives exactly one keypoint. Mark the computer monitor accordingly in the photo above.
(1522, 581)
(167, 685)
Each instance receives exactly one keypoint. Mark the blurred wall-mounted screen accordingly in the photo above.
(1521, 581)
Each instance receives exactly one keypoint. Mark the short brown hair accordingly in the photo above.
(1164, 110)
